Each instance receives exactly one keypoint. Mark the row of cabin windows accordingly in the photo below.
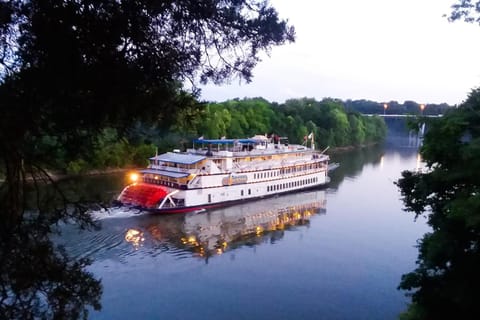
(173, 164)
(268, 174)
(276, 173)
(292, 184)
(164, 183)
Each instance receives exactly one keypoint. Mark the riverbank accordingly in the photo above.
(345, 149)
(56, 176)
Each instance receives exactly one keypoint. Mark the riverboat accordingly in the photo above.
(221, 172)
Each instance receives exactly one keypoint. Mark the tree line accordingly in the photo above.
(395, 107)
(328, 120)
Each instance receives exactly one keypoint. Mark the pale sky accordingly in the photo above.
(380, 50)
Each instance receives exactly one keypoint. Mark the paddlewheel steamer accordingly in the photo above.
(221, 172)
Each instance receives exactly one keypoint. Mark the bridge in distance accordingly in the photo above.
(402, 115)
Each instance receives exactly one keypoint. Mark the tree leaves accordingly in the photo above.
(69, 69)
(446, 279)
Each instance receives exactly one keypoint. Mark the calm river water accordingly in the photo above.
(334, 253)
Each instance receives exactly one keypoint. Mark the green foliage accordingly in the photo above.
(357, 129)
(109, 150)
(446, 280)
(77, 166)
(142, 153)
(326, 119)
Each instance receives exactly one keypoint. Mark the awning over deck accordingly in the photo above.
(226, 141)
(179, 158)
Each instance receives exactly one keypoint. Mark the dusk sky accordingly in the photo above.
(380, 50)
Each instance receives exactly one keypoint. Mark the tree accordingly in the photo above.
(357, 129)
(466, 10)
(446, 281)
(68, 69)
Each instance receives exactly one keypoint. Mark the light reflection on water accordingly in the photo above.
(214, 232)
(201, 234)
(337, 253)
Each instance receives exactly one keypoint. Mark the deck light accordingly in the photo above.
(133, 176)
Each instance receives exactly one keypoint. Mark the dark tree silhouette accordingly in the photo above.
(445, 283)
(69, 68)
(446, 280)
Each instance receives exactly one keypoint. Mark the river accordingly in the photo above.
(332, 253)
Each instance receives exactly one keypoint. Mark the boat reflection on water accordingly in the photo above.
(215, 231)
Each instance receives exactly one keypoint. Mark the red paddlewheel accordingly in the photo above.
(143, 194)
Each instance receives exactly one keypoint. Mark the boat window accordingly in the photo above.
(249, 192)
(241, 193)
(209, 198)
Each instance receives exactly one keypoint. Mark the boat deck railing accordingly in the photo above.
(241, 152)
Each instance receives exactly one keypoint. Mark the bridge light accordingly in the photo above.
(422, 107)
(385, 106)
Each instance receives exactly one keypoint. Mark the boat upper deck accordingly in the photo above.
(240, 148)
(242, 155)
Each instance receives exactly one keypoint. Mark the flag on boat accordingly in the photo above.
(200, 138)
(310, 135)
(223, 138)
